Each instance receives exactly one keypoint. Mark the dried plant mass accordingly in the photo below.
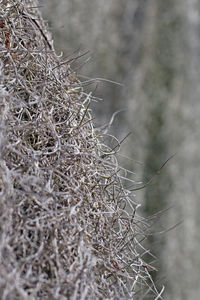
(66, 231)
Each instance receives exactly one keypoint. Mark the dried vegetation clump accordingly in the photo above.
(65, 230)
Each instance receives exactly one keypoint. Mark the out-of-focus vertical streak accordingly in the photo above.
(181, 257)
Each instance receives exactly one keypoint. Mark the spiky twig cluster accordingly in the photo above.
(64, 229)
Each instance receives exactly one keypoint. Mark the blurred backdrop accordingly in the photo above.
(152, 48)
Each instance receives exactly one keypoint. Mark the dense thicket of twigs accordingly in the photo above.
(65, 231)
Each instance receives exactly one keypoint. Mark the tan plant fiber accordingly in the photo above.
(65, 230)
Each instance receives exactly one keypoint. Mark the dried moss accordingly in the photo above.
(64, 232)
